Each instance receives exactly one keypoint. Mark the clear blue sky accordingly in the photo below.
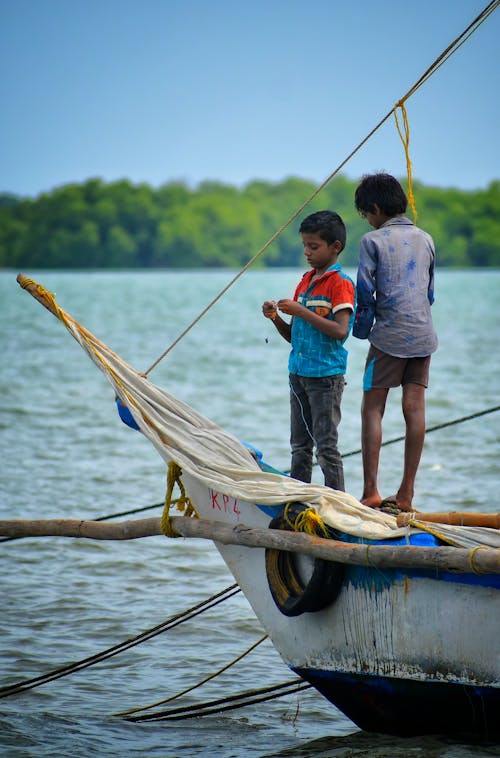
(232, 90)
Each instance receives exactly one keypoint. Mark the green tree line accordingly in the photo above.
(96, 224)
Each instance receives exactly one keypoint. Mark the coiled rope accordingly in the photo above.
(308, 521)
(438, 62)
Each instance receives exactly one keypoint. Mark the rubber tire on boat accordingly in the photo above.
(288, 590)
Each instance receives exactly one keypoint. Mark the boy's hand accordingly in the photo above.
(290, 307)
(269, 309)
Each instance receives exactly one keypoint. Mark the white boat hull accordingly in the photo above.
(398, 651)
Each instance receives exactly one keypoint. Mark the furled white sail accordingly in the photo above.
(210, 454)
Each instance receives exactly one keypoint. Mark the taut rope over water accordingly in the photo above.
(173, 621)
(439, 61)
(435, 428)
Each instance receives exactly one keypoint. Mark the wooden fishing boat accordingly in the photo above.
(406, 647)
(399, 651)
(403, 647)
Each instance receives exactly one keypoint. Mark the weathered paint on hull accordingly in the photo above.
(407, 708)
(399, 652)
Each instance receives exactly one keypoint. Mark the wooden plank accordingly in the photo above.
(455, 518)
(480, 560)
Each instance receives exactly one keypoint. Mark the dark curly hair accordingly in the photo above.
(327, 224)
(382, 190)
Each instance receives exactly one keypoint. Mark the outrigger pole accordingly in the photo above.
(479, 560)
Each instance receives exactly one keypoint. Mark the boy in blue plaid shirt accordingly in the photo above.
(322, 312)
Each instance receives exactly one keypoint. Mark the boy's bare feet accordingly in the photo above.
(372, 501)
(396, 501)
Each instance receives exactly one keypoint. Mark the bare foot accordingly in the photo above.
(397, 502)
(372, 501)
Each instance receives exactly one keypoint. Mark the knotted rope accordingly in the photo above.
(183, 503)
(405, 139)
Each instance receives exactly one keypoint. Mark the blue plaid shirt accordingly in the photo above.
(314, 353)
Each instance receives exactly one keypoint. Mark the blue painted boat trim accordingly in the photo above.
(407, 707)
(364, 576)
(388, 683)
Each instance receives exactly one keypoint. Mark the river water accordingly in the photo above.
(65, 453)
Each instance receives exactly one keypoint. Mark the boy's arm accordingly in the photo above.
(270, 310)
(430, 289)
(365, 290)
(337, 329)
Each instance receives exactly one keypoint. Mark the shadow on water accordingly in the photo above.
(371, 745)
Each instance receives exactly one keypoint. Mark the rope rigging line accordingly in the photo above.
(451, 49)
(285, 688)
(344, 455)
(198, 684)
(249, 697)
(433, 428)
(170, 623)
(445, 55)
(438, 62)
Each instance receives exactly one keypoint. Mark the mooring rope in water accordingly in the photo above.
(170, 623)
(198, 684)
(438, 62)
(202, 709)
(213, 707)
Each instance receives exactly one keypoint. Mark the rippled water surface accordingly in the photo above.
(65, 453)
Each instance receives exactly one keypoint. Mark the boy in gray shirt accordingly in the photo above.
(395, 288)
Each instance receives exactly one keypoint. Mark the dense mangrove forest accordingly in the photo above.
(119, 224)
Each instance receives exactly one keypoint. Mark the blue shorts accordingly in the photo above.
(383, 371)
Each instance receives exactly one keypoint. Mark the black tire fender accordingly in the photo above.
(291, 594)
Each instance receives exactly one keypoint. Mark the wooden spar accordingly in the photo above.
(484, 560)
(455, 518)
(31, 286)
(69, 527)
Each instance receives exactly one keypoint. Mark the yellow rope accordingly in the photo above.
(424, 527)
(29, 284)
(471, 558)
(307, 521)
(405, 139)
(183, 502)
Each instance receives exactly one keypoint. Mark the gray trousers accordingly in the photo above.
(314, 419)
